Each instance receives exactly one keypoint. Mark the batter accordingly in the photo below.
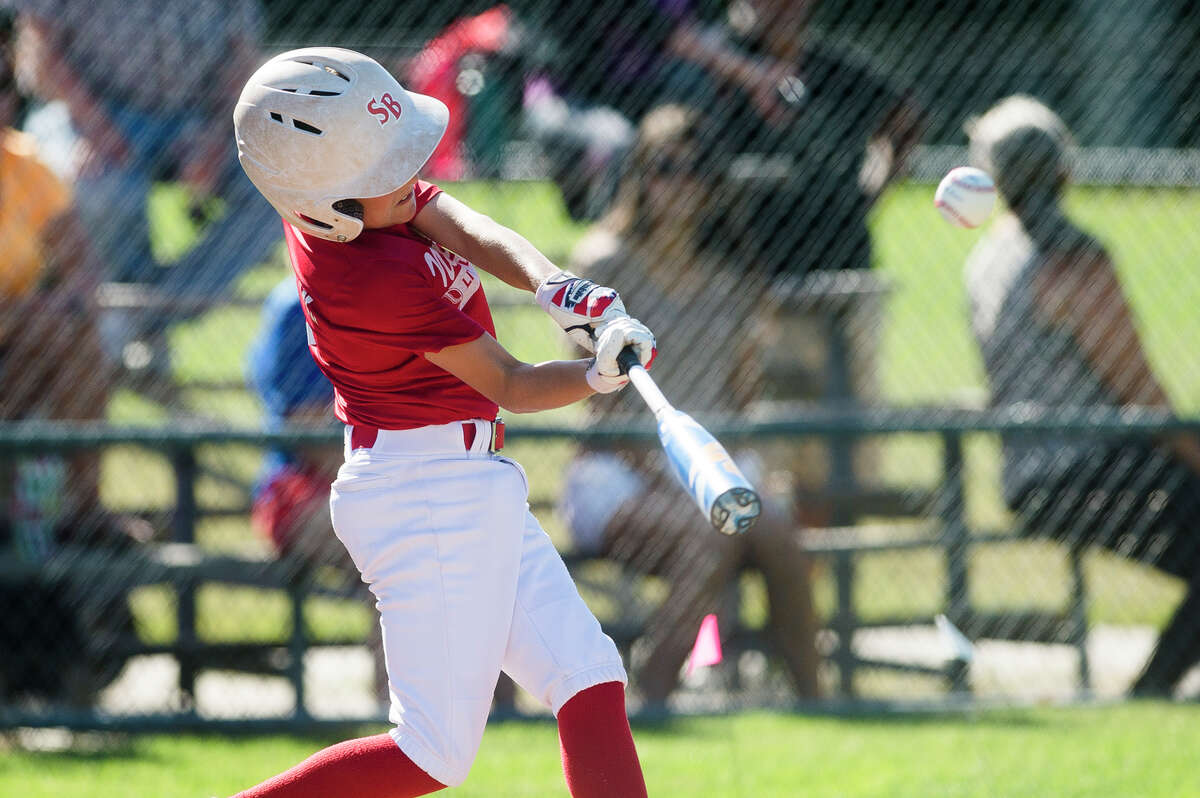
(466, 582)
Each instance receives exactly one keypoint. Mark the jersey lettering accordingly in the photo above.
(457, 274)
(463, 288)
(438, 266)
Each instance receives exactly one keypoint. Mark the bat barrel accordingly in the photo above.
(708, 472)
(703, 466)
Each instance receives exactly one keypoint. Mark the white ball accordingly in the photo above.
(965, 196)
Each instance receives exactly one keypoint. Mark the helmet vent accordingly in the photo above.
(314, 92)
(326, 67)
(315, 222)
(307, 128)
(296, 123)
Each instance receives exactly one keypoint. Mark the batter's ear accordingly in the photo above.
(349, 207)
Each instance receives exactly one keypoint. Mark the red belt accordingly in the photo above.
(365, 437)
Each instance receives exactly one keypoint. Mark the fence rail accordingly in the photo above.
(24, 436)
(182, 566)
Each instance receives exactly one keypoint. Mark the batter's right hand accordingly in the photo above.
(579, 306)
(604, 375)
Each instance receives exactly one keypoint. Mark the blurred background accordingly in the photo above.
(979, 445)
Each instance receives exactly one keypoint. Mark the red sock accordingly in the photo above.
(599, 759)
(369, 767)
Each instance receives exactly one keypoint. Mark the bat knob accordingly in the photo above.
(736, 511)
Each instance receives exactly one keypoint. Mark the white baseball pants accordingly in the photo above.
(467, 584)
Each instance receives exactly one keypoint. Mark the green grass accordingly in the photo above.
(1130, 751)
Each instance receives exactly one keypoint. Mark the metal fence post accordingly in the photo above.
(955, 542)
(1078, 614)
(183, 530)
(298, 644)
(839, 392)
(845, 620)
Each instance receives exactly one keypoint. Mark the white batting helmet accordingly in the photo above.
(323, 124)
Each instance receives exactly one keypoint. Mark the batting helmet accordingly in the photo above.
(323, 124)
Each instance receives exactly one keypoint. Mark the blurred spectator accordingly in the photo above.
(811, 134)
(600, 68)
(1055, 329)
(474, 67)
(624, 502)
(290, 505)
(593, 71)
(291, 497)
(50, 364)
(61, 636)
(137, 92)
(814, 132)
(586, 74)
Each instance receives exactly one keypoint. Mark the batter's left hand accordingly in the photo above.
(579, 306)
(605, 373)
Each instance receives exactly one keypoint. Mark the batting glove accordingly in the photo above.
(579, 306)
(604, 375)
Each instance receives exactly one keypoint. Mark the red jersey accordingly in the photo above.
(374, 305)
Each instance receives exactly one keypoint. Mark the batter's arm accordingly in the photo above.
(488, 244)
(516, 386)
(526, 388)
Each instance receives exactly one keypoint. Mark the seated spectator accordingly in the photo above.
(290, 505)
(474, 67)
(623, 501)
(131, 93)
(62, 638)
(811, 134)
(50, 362)
(1055, 329)
(294, 485)
(814, 131)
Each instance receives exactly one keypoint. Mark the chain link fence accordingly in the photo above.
(979, 448)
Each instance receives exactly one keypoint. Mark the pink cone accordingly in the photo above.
(707, 650)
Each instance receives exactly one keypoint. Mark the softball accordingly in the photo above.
(965, 196)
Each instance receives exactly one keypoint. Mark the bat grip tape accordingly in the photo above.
(627, 359)
(641, 379)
